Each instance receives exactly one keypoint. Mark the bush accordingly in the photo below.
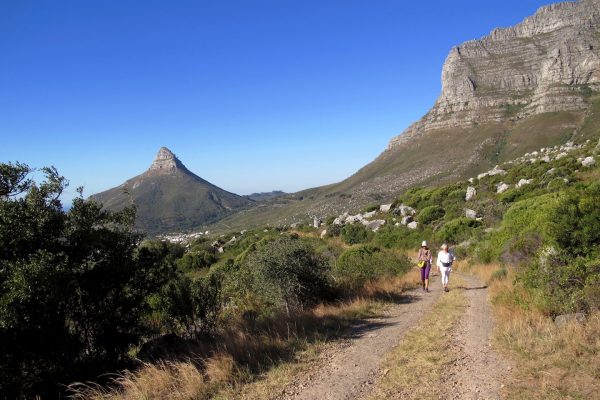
(74, 286)
(358, 266)
(195, 260)
(457, 230)
(334, 230)
(430, 214)
(398, 237)
(191, 307)
(283, 274)
(355, 234)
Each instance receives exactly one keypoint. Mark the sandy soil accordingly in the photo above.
(349, 368)
(477, 372)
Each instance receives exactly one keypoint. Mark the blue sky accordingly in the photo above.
(252, 95)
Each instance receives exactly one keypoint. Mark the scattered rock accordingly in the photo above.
(588, 161)
(502, 187)
(324, 233)
(523, 182)
(385, 207)
(407, 220)
(561, 155)
(404, 210)
(470, 213)
(564, 319)
(413, 225)
(374, 225)
(471, 193)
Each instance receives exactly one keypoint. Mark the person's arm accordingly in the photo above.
(439, 262)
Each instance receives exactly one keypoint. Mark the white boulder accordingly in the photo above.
(523, 182)
(471, 193)
(385, 207)
(470, 213)
(502, 187)
(413, 225)
(588, 161)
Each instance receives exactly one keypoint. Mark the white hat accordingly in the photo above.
(424, 244)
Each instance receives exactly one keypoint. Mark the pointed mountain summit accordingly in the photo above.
(169, 197)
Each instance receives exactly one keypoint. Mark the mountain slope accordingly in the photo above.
(514, 91)
(169, 197)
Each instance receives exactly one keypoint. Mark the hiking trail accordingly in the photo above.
(350, 367)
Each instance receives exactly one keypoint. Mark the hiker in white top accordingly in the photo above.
(444, 264)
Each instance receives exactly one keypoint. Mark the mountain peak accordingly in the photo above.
(165, 163)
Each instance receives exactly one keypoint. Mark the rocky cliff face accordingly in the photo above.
(165, 163)
(549, 62)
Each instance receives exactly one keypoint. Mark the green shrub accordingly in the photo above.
(359, 265)
(334, 230)
(282, 274)
(355, 234)
(574, 223)
(399, 237)
(457, 230)
(196, 260)
(372, 207)
(191, 307)
(430, 214)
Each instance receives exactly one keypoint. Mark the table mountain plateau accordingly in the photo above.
(516, 90)
(169, 197)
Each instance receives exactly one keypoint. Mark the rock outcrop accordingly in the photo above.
(549, 62)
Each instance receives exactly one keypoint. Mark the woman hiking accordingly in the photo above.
(444, 263)
(424, 261)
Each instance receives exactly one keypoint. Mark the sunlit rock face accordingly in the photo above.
(547, 63)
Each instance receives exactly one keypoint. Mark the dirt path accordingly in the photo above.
(348, 370)
(477, 371)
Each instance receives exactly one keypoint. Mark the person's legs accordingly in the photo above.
(444, 273)
(423, 278)
(426, 280)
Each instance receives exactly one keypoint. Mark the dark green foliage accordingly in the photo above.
(329, 220)
(73, 286)
(430, 214)
(359, 265)
(334, 230)
(191, 307)
(281, 274)
(372, 207)
(355, 234)
(574, 223)
(196, 259)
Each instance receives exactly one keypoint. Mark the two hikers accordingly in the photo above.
(444, 263)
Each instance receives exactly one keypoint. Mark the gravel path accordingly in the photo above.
(349, 369)
(478, 371)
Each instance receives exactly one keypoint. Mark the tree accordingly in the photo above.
(73, 286)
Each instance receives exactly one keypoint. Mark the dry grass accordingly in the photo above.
(551, 362)
(422, 355)
(167, 380)
(250, 360)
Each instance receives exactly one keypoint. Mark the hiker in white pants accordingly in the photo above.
(444, 264)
